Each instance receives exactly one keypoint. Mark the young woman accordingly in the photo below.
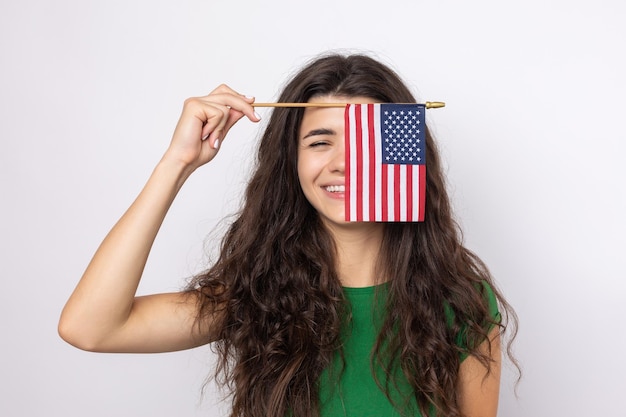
(310, 315)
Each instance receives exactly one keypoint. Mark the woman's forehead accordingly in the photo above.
(332, 98)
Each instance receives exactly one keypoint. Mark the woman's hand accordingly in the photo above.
(204, 123)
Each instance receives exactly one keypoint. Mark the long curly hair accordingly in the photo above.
(273, 298)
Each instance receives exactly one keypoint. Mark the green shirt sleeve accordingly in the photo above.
(494, 313)
(494, 318)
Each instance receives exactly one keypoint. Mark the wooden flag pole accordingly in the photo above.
(428, 104)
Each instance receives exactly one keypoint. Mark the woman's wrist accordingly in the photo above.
(169, 165)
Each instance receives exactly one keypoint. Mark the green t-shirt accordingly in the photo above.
(354, 393)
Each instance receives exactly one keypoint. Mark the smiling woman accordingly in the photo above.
(310, 315)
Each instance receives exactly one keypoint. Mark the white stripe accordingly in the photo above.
(416, 192)
(403, 194)
(353, 163)
(390, 188)
(365, 161)
(378, 215)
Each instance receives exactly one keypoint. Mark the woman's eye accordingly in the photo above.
(317, 144)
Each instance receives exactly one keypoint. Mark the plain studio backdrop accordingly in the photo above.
(532, 137)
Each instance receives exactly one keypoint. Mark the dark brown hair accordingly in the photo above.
(276, 302)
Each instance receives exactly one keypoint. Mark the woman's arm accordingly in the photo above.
(103, 314)
(479, 388)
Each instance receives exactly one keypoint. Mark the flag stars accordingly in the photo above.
(401, 136)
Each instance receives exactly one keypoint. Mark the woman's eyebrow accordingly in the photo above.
(318, 132)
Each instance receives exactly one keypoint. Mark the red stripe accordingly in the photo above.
(409, 193)
(422, 193)
(396, 193)
(384, 190)
(359, 162)
(346, 135)
(372, 161)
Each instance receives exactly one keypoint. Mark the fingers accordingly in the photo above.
(204, 123)
(236, 101)
(223, 108)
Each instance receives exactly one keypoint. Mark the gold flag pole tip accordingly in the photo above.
(435, 104)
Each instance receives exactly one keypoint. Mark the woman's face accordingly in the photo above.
(321, 157)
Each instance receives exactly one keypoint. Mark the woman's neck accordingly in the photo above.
(358, 246)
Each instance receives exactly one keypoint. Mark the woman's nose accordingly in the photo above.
(338, 161)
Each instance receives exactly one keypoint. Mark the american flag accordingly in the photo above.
(385, 162)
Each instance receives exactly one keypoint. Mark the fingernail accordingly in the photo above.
(249, 97)
(205, 136)
(216, 144)
(257, 115)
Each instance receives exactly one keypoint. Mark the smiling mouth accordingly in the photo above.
(335, 188)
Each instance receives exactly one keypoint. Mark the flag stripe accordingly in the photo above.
(396, 194)
(348, 169)
(372, 164)
(378, 168)
(359, 166)
(384, 193)
(409, 193)
(415, 213)
(364, 140)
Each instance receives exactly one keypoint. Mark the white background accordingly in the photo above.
(532, 136)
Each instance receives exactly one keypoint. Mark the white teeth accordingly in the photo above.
(335, 188)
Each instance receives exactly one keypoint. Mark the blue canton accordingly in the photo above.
(403, 136)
